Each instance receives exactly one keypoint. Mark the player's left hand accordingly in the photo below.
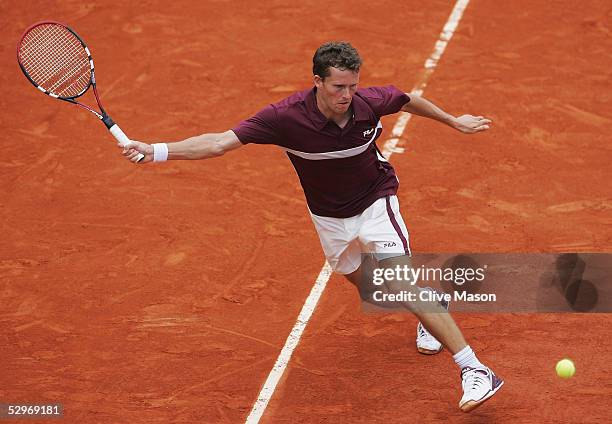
(470, 124)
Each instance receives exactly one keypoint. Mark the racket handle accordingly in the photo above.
(122, 138)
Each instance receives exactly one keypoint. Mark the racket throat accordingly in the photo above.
(107, 121)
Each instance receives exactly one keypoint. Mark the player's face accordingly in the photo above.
(336, 91)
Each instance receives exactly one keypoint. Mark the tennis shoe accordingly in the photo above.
(425, 342)
(478, 384)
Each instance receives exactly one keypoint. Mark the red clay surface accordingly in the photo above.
(161, 294)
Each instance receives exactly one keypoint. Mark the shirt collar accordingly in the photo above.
(359, 106)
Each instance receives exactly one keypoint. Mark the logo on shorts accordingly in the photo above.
(368, 132)
(390, 244)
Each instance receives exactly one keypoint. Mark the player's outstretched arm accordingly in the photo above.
(199, 147)
(468, 124)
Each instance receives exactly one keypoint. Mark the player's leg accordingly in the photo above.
(383, 233)
(361, 278)
(426, 343)
(479, 382)
(363, 273)
(432, 314)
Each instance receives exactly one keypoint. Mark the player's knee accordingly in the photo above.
(404, 262)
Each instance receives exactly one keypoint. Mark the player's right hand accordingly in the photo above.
(133, 148)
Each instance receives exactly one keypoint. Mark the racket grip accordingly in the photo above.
(122, 138)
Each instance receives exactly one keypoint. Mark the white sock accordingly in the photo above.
(467, 358)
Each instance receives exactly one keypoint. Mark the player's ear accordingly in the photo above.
(318, 81)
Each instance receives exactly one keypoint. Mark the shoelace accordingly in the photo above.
(475, 378)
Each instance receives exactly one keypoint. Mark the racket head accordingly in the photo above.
(55, 60)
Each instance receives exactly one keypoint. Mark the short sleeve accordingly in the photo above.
(384, 100)
(261, 128)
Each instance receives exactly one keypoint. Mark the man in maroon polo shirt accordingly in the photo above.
(329, 133)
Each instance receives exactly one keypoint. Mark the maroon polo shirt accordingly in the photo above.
(341, 170)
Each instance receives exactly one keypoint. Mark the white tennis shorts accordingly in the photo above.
(379, 229)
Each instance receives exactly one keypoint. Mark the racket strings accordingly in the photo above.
(55, 60)
(63, 66)
(50, 64)
(58, 72)
(68, 73)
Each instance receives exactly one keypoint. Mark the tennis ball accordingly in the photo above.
(565, 368)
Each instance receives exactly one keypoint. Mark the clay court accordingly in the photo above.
(164, 293)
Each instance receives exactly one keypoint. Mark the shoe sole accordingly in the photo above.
(470, 405)
(428, 351)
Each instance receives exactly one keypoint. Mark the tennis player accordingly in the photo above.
(329, 133)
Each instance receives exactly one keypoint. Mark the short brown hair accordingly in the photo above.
(336, 54)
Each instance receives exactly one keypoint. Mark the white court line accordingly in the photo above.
(390, 145)
(389, 148)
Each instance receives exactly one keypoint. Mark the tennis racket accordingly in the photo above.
(57, 61)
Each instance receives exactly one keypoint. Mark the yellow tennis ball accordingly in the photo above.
(565, 368)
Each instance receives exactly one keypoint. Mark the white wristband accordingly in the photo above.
(160, 152)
